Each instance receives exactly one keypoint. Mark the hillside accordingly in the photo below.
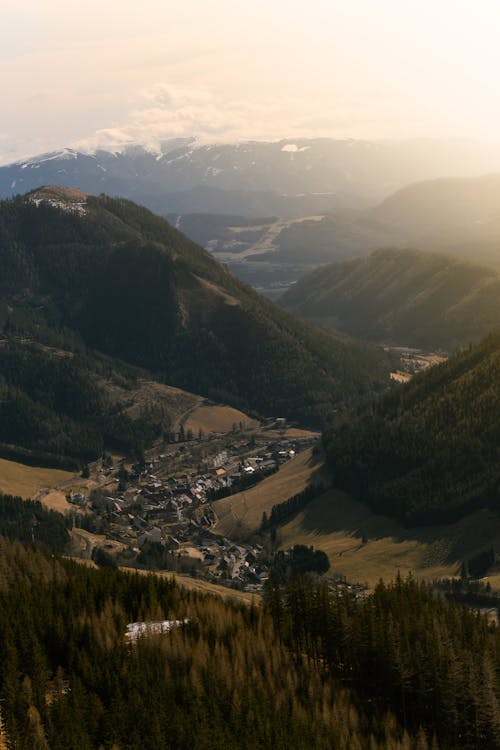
(240, 515)
(428, 451)
(310, 668)
(459, 215)
(59, 407)
(366, 546)
(404, 297)
(107, 274)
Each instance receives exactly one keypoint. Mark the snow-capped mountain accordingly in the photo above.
(284, 178)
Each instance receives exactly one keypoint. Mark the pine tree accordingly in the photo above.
(4, 744)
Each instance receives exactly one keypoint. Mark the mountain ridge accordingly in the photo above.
(402, 296)
(427, 451)
(125, 283)
(353, 173)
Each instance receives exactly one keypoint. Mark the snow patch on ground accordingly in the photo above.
(292, 148)
(137, 630)
(70, 207)
(213, 171)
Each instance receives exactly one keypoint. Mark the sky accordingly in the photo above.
(106, 72)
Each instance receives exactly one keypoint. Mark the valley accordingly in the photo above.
(165, 515)
(168, 517)
(250, 375)
(195, 483)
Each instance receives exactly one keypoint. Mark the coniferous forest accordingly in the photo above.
(400, 669)
(121, 281)
(427, 452)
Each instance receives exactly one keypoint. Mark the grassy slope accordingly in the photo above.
(336, 523)
(241, 513)
(27, 481)
(182, 407)
(215, 419)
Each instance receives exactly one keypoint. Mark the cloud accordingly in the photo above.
(165, 111)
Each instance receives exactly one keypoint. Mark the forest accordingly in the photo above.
(396, 670)
(120, 280)
(427, 452)
(402, 297)
(55, 410)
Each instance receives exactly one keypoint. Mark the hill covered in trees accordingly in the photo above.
(107, 274)
(404, 297)
(427, 452)
(57, 407)
(308, 669)
(456, 215)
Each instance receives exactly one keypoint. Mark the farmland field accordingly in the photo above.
(241, 513)
(27, 481)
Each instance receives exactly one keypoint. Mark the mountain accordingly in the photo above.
(404, 297)
(113, 277)
(460, 216)
(271, 253)
(284, 178)
(320, 192)
(428, 451)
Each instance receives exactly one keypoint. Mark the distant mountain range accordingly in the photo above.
(404, 297)
(460, 216)
(84, 273)
(306, 202)
(283, 178)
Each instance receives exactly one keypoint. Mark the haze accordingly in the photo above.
(103, 73)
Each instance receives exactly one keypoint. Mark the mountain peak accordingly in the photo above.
(67, 199)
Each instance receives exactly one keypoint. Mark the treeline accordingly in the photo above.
(69, 680)
(427, 451)
(288, 508)
(469, 591)
(435, 664)
(38, 458)
(28, 521)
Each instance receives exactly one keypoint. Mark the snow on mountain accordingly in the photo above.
(284, 178)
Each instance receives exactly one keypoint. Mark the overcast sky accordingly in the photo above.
(105, 71)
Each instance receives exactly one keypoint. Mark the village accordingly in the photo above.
(160, 515)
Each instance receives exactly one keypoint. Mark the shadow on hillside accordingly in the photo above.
(336, 512)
